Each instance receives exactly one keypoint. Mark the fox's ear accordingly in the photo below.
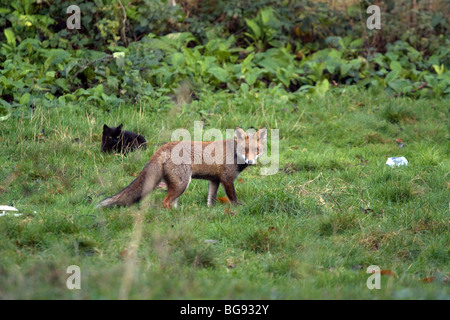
(239, 133)
(262, 135)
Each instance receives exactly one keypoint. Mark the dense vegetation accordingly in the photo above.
(130, 51)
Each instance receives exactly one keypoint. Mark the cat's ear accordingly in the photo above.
(105, 127)
(120, 127)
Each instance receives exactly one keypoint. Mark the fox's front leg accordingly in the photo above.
(230, 191)
(212, 192)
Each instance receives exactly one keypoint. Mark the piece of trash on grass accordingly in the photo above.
(8, 213)
(210, 241)
(397, 161)
(400, 143)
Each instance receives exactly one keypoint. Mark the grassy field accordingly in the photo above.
(308, 232)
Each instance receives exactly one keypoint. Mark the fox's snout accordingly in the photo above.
(247, 161)
(250, 161)
(250, 154)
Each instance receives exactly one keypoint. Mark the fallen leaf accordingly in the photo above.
(228, 211)
(231, 263)
(428, 279)
(388, 273)
(240, 180)
(322, 202)
(124, 253)
(223, 200)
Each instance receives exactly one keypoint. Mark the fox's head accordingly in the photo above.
(250, 146)
(110, 137)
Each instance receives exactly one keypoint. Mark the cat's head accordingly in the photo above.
(110, 137)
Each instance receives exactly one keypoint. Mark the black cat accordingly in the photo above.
(116, 140)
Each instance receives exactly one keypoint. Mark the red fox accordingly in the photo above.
(220, 162)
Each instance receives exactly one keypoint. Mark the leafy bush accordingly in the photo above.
(133, 51)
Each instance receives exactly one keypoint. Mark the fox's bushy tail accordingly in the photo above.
(146, 181)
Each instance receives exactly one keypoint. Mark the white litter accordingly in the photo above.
(397, 161)
(8, 213)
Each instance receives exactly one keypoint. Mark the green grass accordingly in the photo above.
(308, 232)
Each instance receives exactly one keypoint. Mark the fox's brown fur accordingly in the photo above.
(178, 176)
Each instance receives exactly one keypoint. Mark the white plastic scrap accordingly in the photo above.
(397, 161)
(8, 208)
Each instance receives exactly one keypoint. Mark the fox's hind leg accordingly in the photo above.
(177, 184)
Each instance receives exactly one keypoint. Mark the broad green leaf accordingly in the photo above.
(281, 75)
(220, 73)
(4, 110)
(356, 64)
(180, 38)
(322, 86)
(120, 59)
(25, 99)
(254, 27)
(356, 44)
(244, 87)
(49, 96)
(177, 59)
(396, 66)
(10, 37)
(267, 15)
(392, 75)
(401, 85)
(345, 68)
(189, 57)
(63, 84)
(270, 64)
(94, 98)
(50, 74)
(99, 90)
(334, 41)
(439, 69)
(251, 78)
